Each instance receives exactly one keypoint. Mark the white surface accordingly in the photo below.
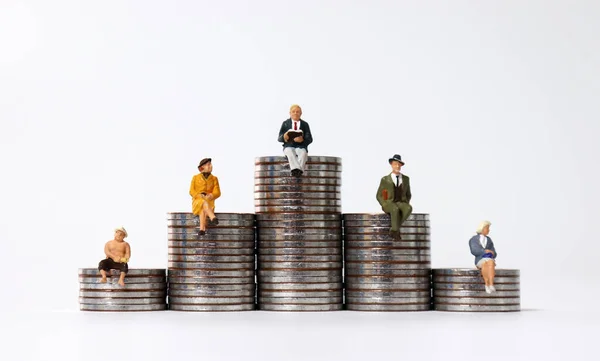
(107, 107)
(345, 336)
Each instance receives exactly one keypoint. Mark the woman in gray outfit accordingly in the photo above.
(485, 254)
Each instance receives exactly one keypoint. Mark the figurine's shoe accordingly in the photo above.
(488, 289)
(492, 288)
(201, 233)
(214, 222)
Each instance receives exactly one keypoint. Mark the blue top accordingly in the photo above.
(477, 249)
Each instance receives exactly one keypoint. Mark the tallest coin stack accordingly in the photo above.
(299, 232)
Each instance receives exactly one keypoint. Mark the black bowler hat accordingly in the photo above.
(396, 157)
(204, 161)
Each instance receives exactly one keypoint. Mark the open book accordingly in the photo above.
(294, 133)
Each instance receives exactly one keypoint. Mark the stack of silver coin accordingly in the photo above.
(382, 273)
(215, 271)
(144, 290)
(299, 234)
(464, 290)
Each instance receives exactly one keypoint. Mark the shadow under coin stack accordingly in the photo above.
(383, 274)
(213, 272)
(464, 290)
(145, 290)
(299, 235)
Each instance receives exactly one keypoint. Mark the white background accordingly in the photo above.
(106, 107)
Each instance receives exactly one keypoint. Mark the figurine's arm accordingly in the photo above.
(476, 249)
(127, 253)
(408, 194)
(307, 135)
(193, 192)
(379, 195)
(109, 253)
(216, 193)
(282, 132)
(490, 247)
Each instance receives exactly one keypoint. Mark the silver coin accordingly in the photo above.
(387, 300)
(298, 273)
(478, 287)
(382, 216)
(363, 266)
(122, 308)
(299, 258)
(312, 281)
(299, 202)
(294, 224)
(293, 294)
(485, 299)
(380, 240)
(212, 287)
(307, 173)
(132, 272)
(388, 308)
(472, 279)
(300, 308)
(248, 251)
(304, 180)
(211, 244)
(298, 231)
(128, 279)
(474, 293)
(302, 196)
(122, 301)
(311, 159)
(472, 272)
(176, 231)
(299, 265)
(117, 294)
(185, 300)
(211, 308)
(265, 217)
(407, 274)
(212, 266)
(271, 287)
(300, 251)
(478, 308)
(351, 287)
(194, 222)
(390, 294)
(221, 216)
(300, 300)
(358, 272)
(210, 280)
(310, 167)
(386, 252)
(302, 208)
(302, 188)
(210, 293)
(385, 230)
(212, 258)
(296, 240)
(209, 273)
(385, 223)
(128, 286)
(392, 259)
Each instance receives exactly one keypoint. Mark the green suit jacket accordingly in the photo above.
(389, 187)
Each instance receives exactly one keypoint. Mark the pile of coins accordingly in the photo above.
(215, 271)
(464, 290)
(299, 235)
(144, 290)
(382, 273)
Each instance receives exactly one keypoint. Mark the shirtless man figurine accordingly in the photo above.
(117, 253)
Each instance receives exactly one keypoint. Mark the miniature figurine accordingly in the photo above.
(204, 189)
(485, 254)
(117, 253)
(296, 136)
(394, 195)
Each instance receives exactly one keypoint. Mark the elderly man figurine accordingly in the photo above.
(296, 136)
(117, 253)
(394, 195)
(204, 189)
(485, 254)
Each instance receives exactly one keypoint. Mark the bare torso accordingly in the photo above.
(116, 250)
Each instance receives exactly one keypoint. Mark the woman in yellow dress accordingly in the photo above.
(204, 190)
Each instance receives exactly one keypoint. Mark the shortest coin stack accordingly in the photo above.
(145, 290)
(464, 290)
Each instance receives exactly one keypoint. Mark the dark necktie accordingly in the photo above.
(295, 125)
(397, 180)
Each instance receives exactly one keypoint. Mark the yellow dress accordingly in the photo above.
(209, 186)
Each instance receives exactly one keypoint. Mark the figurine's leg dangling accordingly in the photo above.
(295, 166)
(394, 213)
(122, 279)
(103, 274)
(207, 211)
(302, 158)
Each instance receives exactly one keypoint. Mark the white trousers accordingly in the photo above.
(297, 157)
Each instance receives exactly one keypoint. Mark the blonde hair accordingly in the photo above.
(482, 225)
(295, 106)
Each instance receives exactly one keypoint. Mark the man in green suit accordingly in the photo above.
(394, 195)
